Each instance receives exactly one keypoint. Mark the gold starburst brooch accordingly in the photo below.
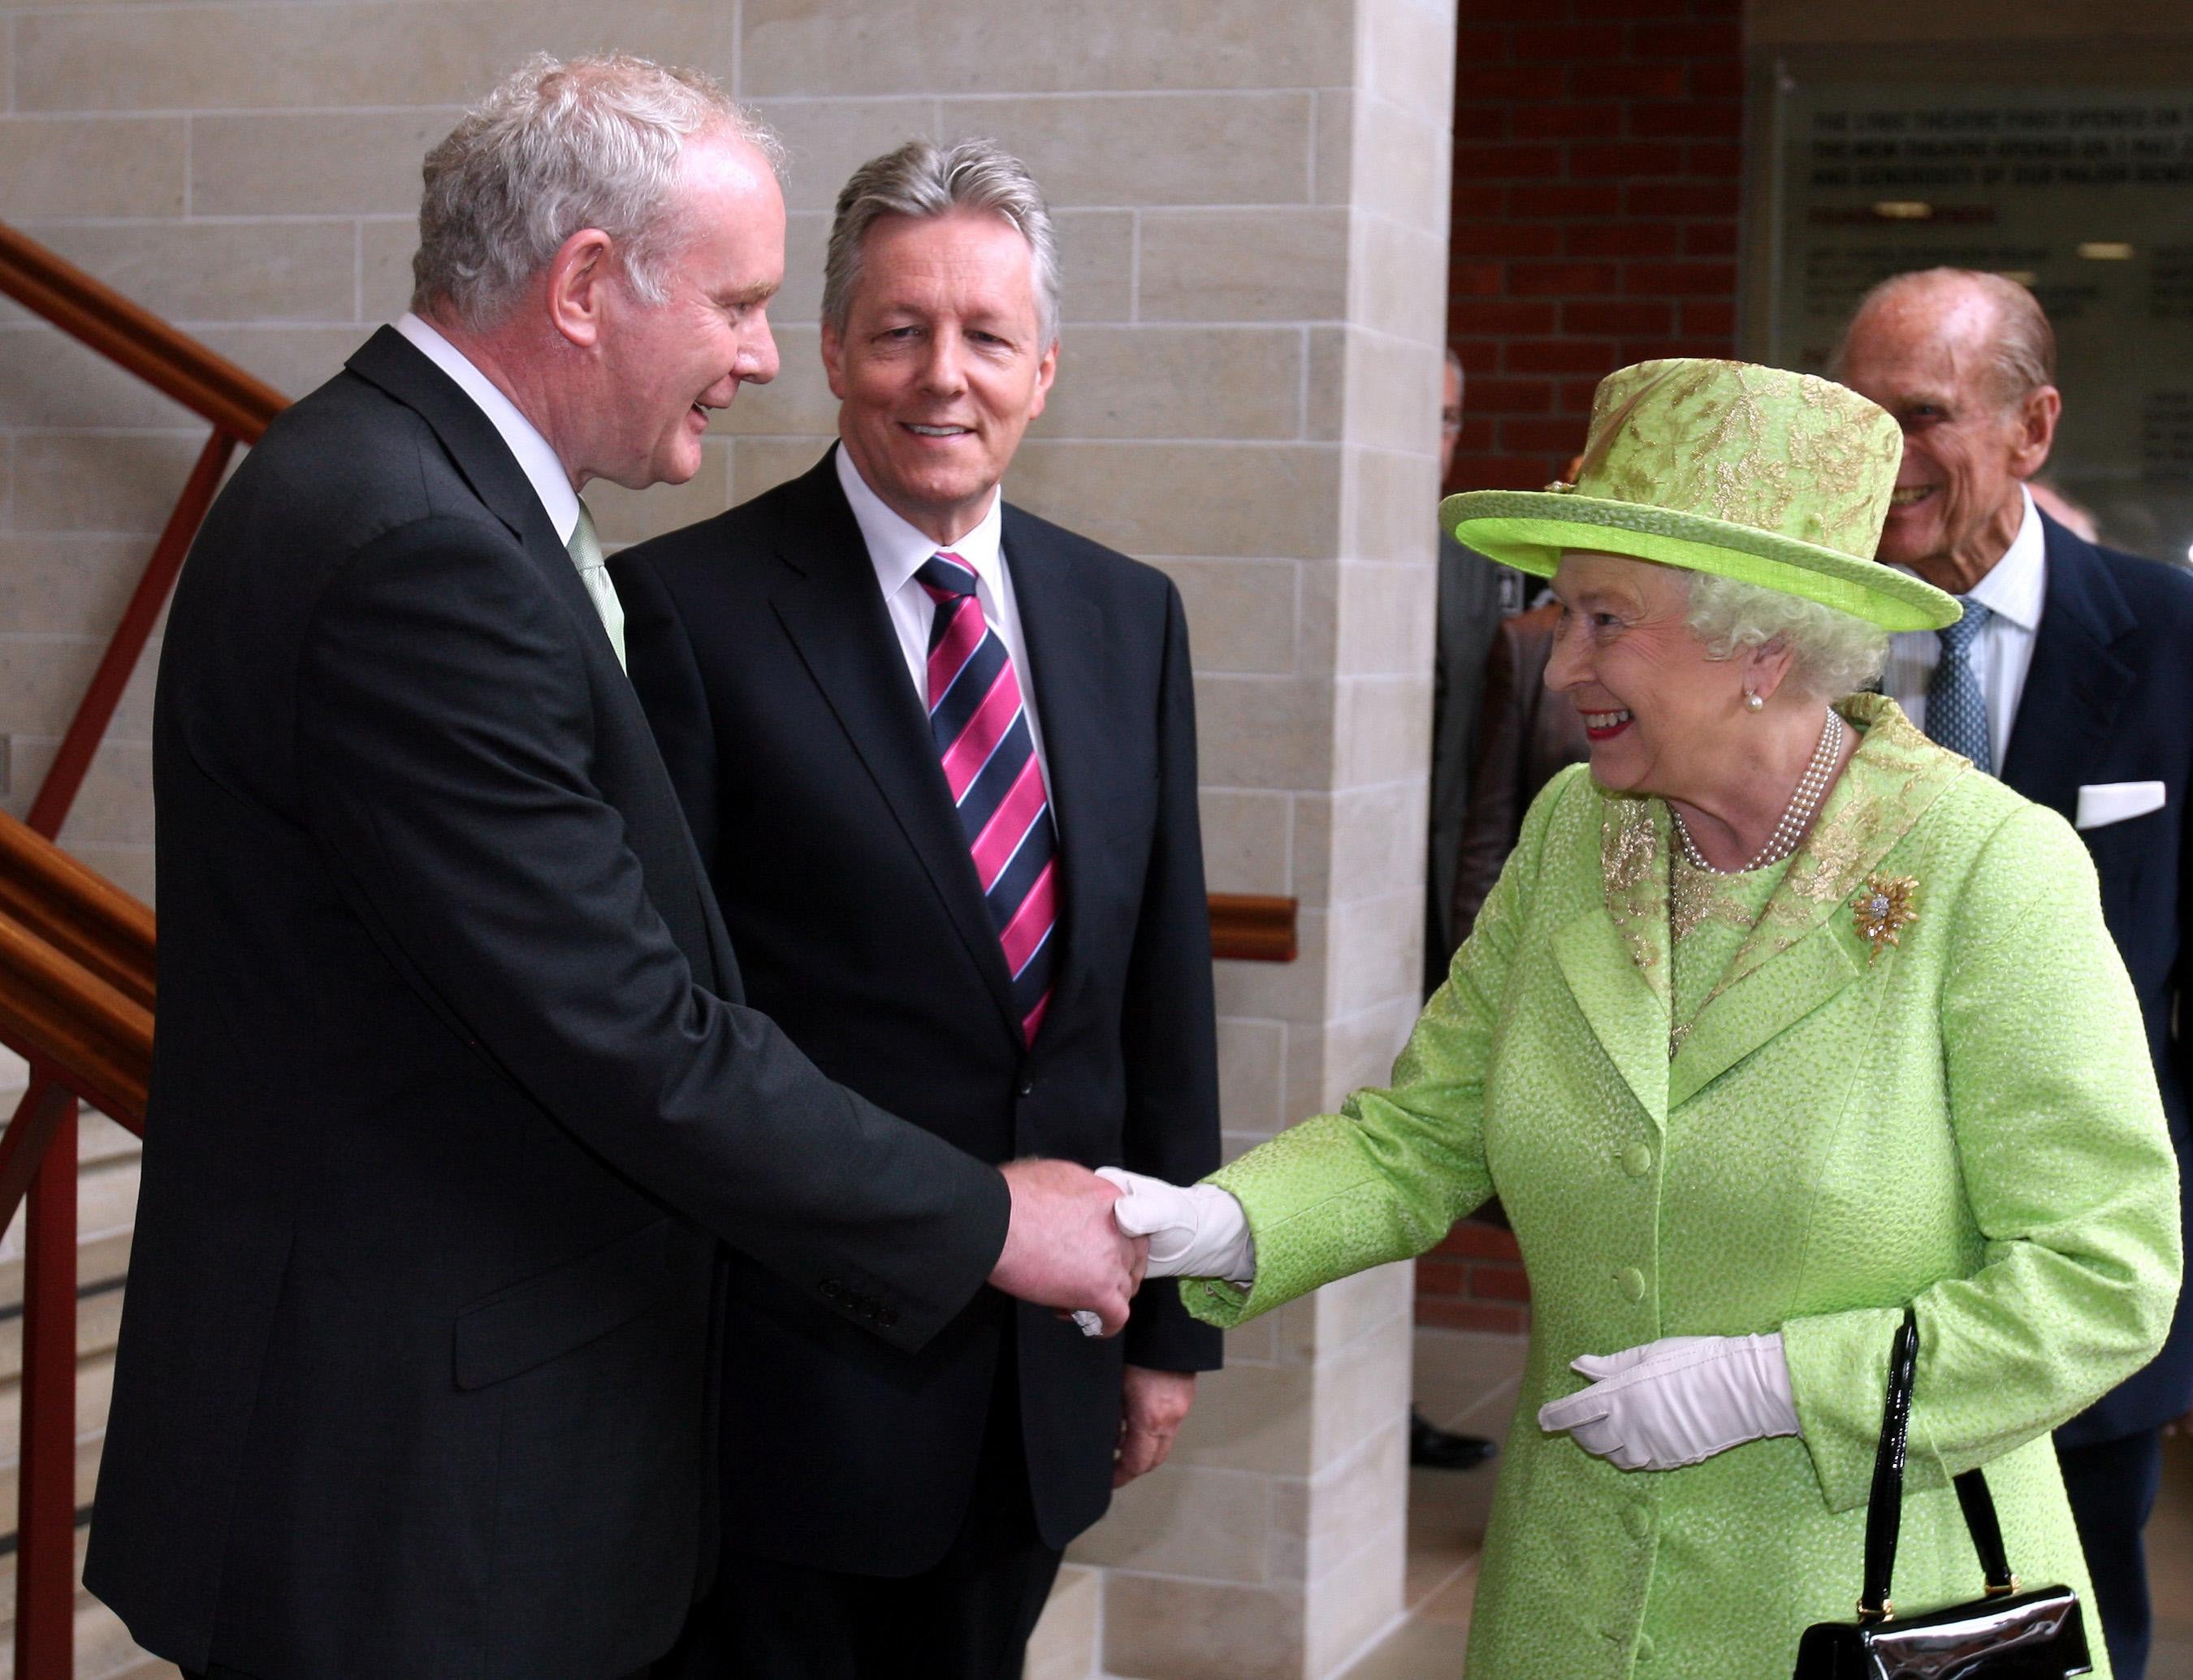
(1884, 909)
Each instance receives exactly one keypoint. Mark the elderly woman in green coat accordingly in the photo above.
(1780, 1019)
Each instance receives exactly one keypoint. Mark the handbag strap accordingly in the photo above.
(1884, 1511)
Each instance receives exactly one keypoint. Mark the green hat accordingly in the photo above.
(1776, 478)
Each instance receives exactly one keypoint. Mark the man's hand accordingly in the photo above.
(1062, 1249)
(1154, 1405)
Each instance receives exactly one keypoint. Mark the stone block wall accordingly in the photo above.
(1253, 204)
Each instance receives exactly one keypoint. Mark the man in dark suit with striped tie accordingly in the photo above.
(940, 758)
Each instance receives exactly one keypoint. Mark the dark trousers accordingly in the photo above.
(968, 1618)
(2112, 1486)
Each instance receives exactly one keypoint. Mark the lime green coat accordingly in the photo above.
(1964, 1119)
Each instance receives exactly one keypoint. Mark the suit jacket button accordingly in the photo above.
(1631, 1282)
(1027, 1088)
(832, 1289)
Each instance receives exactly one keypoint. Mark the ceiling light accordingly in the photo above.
(2017, 276)
(2105, 250)
(1903, 209)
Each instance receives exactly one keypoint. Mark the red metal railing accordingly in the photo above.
(77, 952)
(76, 988)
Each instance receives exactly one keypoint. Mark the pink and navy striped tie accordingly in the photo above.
(980, 728)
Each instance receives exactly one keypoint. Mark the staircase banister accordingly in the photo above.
(77, 911)
(55, 1011)
(128, 334)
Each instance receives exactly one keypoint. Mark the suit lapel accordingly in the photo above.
(826, 597)
(2075, 687)
(1616, 964)
(1069, 676)
(1807, 946)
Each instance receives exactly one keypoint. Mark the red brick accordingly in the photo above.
(1470, 1240)
(1679, 198)
(1612, 320)
(1564, 43)
(1508, 396)
(1690, 41)
(1499, 472)
(1550, 439)
(1679, 279)
(1500, 1282)
(1474, 279)
(1561, 355)
(1503, 84)
(1576, 396)
(1559, 199)
(1561, 279)
(1623, 239)
(1479, 356)
(1709, 239)
(1694, 119)
(1445, 1277)
(1481, 12)
(1476, 434)
(1472, 315)
(1477, 46)
(1500, 238)
(1719, 9)
(1628, 11)
(1718, 79)
(1470, 1315)
(1563, 119)
(1718, 158)
(1492, 163)
(1479, 123)
(1468, 198)
(1709, 317)
(1625, 161)
(1610, 77)
(1651, 350)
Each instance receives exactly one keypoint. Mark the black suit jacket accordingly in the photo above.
(762, 648)
(450, 1075)
(2109, 698)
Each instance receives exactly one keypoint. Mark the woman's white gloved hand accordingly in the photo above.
(1677, 1401)
(1195, 1231)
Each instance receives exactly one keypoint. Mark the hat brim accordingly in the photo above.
(1531, 529)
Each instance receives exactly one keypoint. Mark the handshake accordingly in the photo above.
(1082, 1242)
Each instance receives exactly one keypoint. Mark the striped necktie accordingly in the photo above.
(980, 729)
(1957, 705)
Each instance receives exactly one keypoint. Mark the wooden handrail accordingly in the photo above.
(79, 911)
(130, 335)
(1251, 928)
(58, 1011)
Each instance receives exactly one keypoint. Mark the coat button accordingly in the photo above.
(1631, 1282)
(1027, 1088)
(1637, 1160)
(1639, 1520)
(832, 1289)
(1644, 1648)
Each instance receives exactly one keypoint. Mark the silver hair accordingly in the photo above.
(562, 144)
(2021, 345)
(923, 178)
(1832, 653)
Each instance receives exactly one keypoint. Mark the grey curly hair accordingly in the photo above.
(1832, 653)
(561, 145)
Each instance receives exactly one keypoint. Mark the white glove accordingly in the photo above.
(1195, 1231)
(1677, 1401)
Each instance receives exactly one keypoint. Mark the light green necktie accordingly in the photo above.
(585, 549)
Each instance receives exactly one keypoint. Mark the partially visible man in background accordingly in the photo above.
(454, 1092)
(2070, 675)
(940, 756)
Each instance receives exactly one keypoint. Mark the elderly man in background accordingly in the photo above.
(940, 758)
(2070, 676)
(454, 1091)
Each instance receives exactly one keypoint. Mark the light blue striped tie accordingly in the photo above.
(1957, 708)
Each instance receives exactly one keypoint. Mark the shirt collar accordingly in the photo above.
(541, 468)
(898, 551)
(2015, 584)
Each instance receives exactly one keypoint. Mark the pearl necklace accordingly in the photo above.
(1796, 817)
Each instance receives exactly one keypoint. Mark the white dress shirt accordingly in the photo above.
(541, 468)
(897, 550)
(2012, 593)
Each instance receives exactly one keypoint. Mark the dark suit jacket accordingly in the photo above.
(450, 1075)
(765, 655)
(2109, 698)
(1524, 737)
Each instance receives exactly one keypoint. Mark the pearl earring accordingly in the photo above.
(1752, 702)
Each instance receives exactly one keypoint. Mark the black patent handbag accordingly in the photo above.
(2004, 1635)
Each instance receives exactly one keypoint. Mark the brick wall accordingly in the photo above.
(1597, 163)
(1597, 158)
